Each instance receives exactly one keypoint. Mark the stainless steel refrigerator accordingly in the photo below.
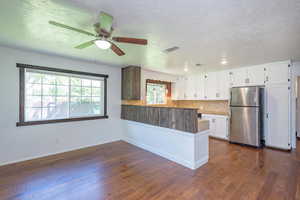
(246, 114)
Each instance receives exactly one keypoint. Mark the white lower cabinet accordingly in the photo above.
(218, 125)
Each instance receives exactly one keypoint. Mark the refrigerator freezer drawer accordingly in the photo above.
(245, 126)
(245, 96)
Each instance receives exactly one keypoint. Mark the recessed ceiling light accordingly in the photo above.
(185, 69)
(224, 62)
(102, 44)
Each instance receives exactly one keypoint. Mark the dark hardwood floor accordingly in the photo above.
(121, 171)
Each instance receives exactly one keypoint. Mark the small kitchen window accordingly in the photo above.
(157, 92)
(49, 95)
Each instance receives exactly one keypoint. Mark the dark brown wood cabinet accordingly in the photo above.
(131, 83)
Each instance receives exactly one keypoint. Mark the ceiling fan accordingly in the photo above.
(103, 34)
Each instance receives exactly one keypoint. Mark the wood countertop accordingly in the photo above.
(161, 106)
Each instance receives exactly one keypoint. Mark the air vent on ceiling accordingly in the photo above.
(171, 49)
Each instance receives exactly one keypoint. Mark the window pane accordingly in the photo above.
(49, 90)
(96, 92)
(49, 113)
(156, 93)
(33, 89)
(96, 83)
(33, 77)
(54, 96)
(32, 114)
(75, 81)
(33, 101)
(86, 91)
(96, 109)
(49, 79)
(49, 101)
(86, 82)
(62, 80)
(62, 90)
(96, 100)
(75, 91)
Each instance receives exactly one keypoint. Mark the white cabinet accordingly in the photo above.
(192, 85)
(277, 73)
(278, 116)
(211, 89)
(218, 125)
(223, 85)
(238, 77)
(255, 75)
(178, 92)
(248, 76)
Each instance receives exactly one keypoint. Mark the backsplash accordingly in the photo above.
(209, 107)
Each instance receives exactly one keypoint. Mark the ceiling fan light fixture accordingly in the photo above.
(102, 44)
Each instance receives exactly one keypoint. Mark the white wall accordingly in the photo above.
(22, 143)
(148, 74)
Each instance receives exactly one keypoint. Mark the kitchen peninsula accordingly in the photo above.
(171, 132)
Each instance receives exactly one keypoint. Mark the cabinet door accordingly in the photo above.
(201, 86)
(256, 75)
(221, 127)
(278, 101)
(239, 77)
(212, 124)
(277, 73)
(211, 86)
(191, 87)
(180, 87)
(223, 85)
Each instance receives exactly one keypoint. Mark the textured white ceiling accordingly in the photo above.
(245, 32)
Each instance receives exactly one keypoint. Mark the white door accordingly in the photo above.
(211, 86)
(278, 105)
(277, 73)
(239, 77)
(256, 75)
(221, 127)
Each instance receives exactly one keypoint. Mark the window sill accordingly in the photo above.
(31, 123)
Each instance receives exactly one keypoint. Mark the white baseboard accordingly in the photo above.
(167, 155)
(54, 153)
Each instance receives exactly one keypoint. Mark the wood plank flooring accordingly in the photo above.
(121, 171)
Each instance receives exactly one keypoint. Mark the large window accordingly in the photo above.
(157, 91)
(53, 95)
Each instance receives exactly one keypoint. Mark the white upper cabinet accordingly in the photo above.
(238, 77)
(223, 85)
(191, 92)
(211, 89)
(201, 86)
(277, 73)
(255, 75)
(179, 89)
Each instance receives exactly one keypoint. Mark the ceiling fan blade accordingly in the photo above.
(105, 22)
(71, 28)
(85, 45)
(117, 50)
(130, 40)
